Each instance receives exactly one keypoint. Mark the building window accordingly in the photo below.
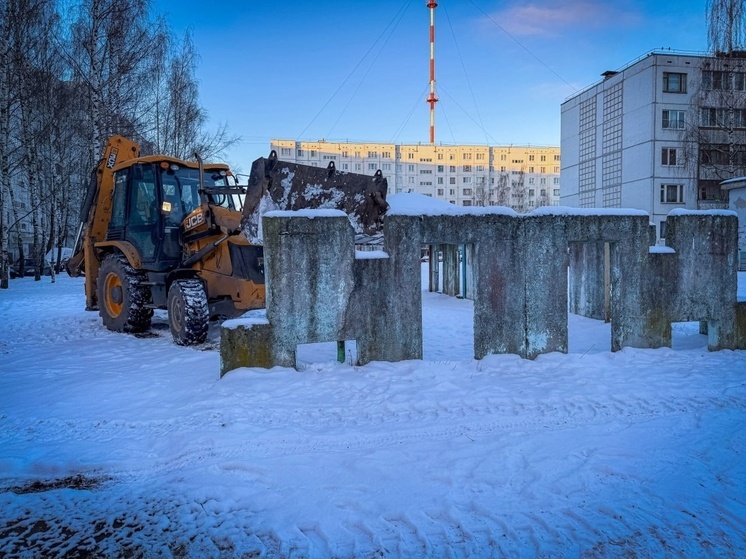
(451, 168)
(372, 154)
(722, 118)
(530, 157)
(371, 166)
(451, 192)
(386, 154)
(386, 166)
(671, 157)
(440, 156)
(722, 81)
(345, 153)
(285, 151)
(440, 192)
(452, 180)
(672, 193)
(556, 157)
(440, 180)
(300, 153)
(467, 202)
(441, 168)
(480, 156)
(531, 191)
(358, 166)
(466, 180)
(556, 192)
(410, 156)
(480, 168)
(502, 157)
(426, 171)
(530, 169)
(674, 82)
(543, 157)
(411, 180)
(467, 168)
(673, 119)
(466, 155)
(410, 168)
(313, 153)
(467, 191)
(345, 166)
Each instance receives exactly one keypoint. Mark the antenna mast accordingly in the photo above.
(432, 99)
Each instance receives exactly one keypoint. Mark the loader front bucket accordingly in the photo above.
(282, 185)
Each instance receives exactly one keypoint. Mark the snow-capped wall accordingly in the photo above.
(317, 290)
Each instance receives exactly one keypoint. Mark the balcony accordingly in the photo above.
(712, 204)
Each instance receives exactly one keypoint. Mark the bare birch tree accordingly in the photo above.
(726, 23)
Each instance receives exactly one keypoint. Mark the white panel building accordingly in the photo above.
(661, 133)
(523, 177)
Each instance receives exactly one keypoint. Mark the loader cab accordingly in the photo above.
(149, 204)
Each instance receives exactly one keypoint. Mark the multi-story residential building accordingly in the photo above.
(659, 134)
(522, 177)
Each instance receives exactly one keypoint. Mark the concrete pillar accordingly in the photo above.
(434, 267)
(308, 263)
(450, 270)
(706, 243)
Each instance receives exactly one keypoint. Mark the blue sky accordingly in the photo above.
(359, 71)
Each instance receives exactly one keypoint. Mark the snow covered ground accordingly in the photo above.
(122, 446)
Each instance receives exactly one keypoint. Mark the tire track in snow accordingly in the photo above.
(338, 428)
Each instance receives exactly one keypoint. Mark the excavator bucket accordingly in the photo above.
(282, 185)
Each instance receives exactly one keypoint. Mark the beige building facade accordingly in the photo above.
(521, 177)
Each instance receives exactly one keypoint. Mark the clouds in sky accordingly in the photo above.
(550, 18)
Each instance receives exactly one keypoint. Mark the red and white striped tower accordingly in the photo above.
(432, 99)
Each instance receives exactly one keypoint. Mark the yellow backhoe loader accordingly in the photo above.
(160, 232)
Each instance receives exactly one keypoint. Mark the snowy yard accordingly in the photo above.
(122, 446)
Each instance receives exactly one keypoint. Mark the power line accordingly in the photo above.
(524, 47)
(398, 15)
(409, 115)
(466, 74)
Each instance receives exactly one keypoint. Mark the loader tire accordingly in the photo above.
(188, 312)
(122, 297)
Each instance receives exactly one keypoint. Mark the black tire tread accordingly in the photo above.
(137, 315)
(196, 315)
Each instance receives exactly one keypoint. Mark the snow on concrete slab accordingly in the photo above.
(683, 211)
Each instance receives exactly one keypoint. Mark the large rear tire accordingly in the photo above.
(122, 297)
(188, 312)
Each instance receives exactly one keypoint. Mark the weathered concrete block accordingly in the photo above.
(308, 263)
(247, 343)
(706, 279)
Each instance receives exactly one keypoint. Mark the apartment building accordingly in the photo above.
(659, 134)
(522, 177)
